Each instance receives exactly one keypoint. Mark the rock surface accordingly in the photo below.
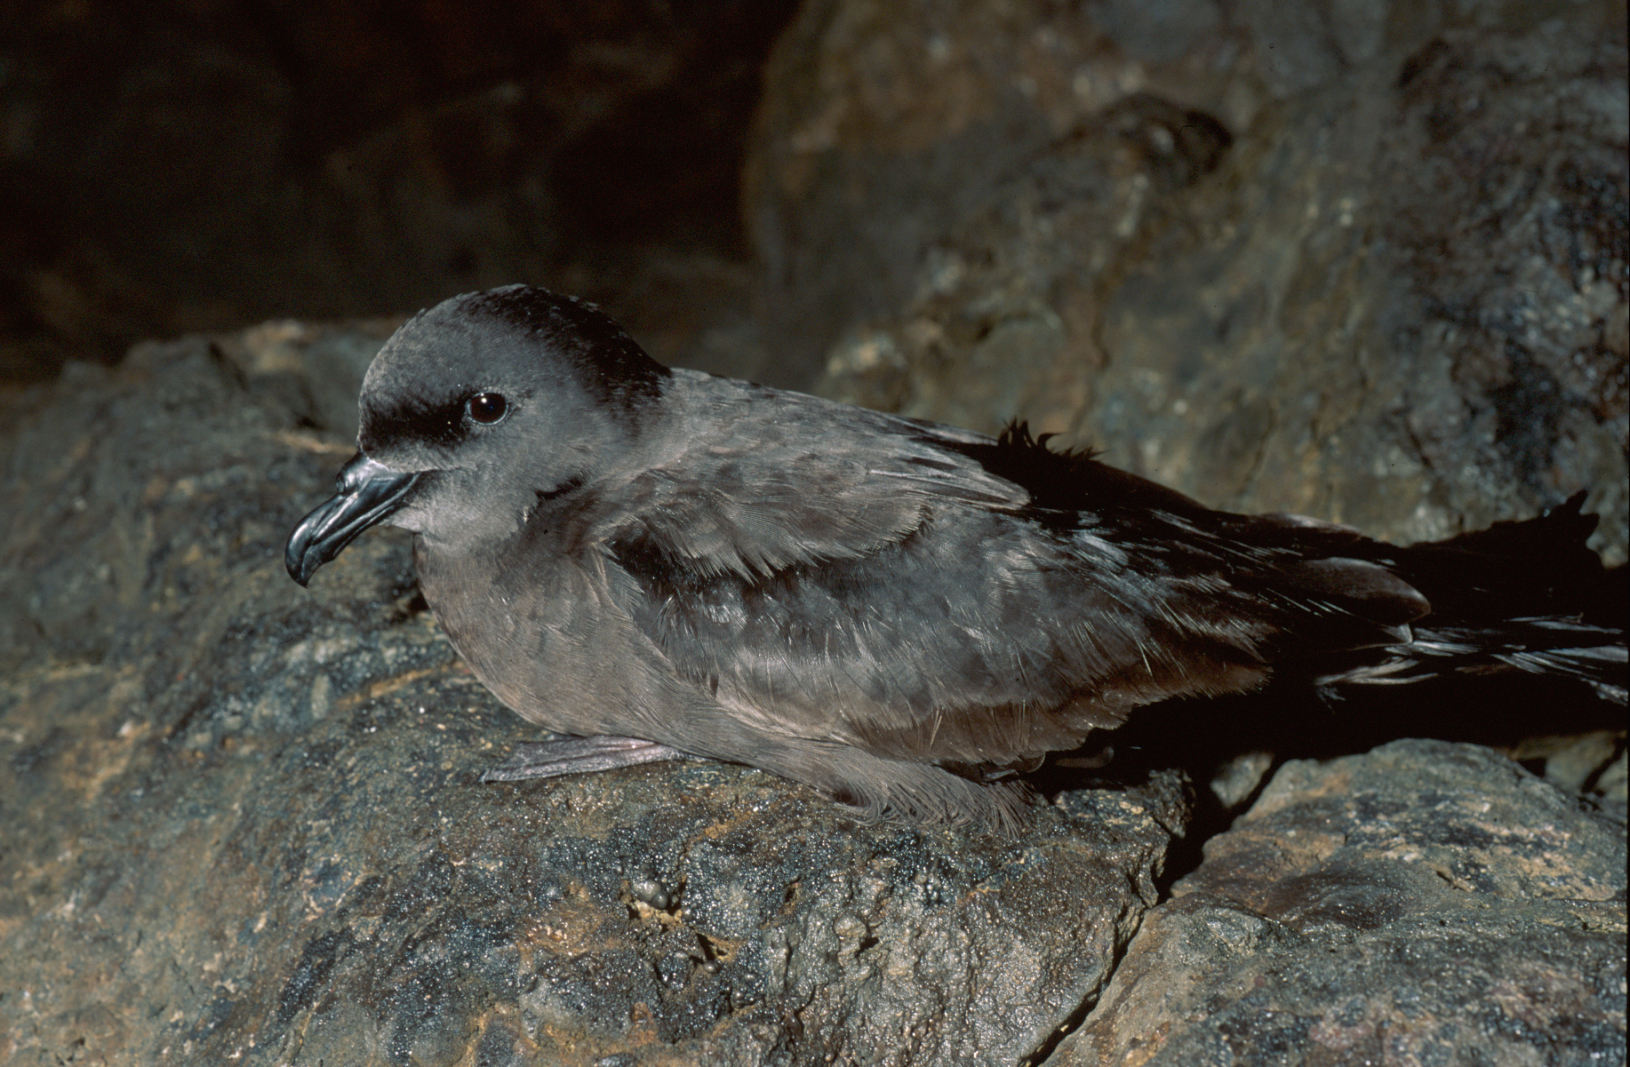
(242, 825)
(1281, 257)
(242, 821)
(174, 167)
(1423, 903)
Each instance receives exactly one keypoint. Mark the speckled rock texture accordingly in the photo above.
(1425, 903)
(1361, 261)
(242, 824)
(242, 821)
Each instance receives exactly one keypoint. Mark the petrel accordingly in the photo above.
(660, 563)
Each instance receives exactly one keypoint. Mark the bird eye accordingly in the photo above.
(486, 408)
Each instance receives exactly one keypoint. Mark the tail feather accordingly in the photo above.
(1526, 596)
(1562, 648)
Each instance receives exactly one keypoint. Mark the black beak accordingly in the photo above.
(365, 493)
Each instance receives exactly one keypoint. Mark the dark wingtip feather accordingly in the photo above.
(1065, 482)
(1016, 435)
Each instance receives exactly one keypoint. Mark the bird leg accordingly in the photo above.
(578, 755)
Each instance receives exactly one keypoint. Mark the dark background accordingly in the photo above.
(179, 166)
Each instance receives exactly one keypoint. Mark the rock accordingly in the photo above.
(243, 825)
(1284, 258)
(1423, 903)
(243, 821)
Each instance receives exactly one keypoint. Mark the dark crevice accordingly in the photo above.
(1078, 1015)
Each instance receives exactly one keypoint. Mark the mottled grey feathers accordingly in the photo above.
(851, 599)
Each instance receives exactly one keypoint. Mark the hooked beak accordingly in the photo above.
(365, 494)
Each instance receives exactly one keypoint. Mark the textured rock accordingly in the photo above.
(242, 825)
(1291, 258)
(242, 821)
(1423, 903)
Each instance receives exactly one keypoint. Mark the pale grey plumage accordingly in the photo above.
(851, 599)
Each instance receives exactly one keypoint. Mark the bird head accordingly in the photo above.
(477, 410)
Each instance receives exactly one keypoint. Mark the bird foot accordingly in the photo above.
(578, 755)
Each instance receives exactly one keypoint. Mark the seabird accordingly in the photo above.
(661, 562)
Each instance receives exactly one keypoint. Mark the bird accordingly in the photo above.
(657, 563)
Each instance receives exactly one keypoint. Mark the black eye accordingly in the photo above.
(486, 407)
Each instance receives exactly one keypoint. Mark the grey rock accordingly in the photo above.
(1423, 903)
(243, 824)
(1307, 238)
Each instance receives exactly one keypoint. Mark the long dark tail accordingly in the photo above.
(1525, 596)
